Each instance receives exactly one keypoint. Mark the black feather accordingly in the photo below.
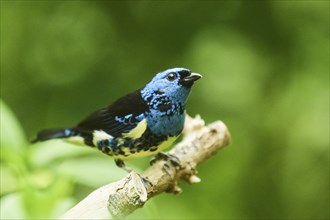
(105, 118)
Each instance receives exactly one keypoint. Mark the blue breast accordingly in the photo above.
(164, 124)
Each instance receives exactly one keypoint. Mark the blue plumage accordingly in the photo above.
(141, 123)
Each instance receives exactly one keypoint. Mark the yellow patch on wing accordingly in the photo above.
(143, 153)
(75, 140)
(138, 130)
(100, 135)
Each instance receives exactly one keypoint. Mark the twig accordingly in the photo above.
(121, 198)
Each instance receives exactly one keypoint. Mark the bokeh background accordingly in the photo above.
(266, 75)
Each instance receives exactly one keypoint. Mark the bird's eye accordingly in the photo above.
(171, 76)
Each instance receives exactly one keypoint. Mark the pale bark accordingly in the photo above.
(121, 198)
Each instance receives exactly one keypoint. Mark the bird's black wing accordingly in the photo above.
(120, 117)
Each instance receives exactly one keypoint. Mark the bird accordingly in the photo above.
(140, 124)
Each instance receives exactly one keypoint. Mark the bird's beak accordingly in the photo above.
(192, 77)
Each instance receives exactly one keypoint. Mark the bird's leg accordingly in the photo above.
(175, 161)
(145, 180)
(120, 163)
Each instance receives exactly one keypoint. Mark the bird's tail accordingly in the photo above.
(48, 134)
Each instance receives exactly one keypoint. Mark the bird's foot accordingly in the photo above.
(121, 164)
(146, 181)
(175, 161)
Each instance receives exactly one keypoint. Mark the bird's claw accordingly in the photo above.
(121, 164)
(175, 161)
(146, 181)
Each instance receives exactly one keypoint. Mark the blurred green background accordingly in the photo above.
(266, 75)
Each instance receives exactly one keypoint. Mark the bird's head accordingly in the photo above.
(174, 83)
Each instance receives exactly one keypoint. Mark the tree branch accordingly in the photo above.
(121, 198)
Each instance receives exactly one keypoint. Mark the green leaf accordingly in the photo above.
(63, 206)
(8, 180)
(40, 200)
(44, 153)
(11, 207)
(93, 171)
(12, 135)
